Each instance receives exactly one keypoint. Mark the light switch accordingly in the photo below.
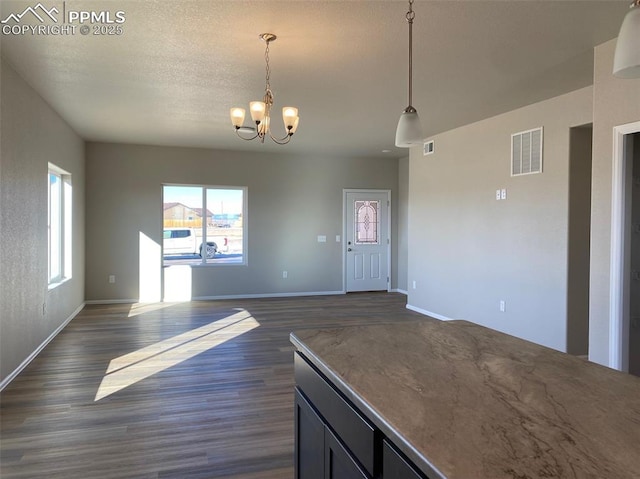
(337, 238)
(322, 239)
(503, 194)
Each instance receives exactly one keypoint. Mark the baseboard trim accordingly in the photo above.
(429, 313)
(113, 301)
(401, 291)
(5, 382)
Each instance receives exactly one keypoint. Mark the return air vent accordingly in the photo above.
(526, 152)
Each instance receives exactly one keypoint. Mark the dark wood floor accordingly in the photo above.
(188, 390)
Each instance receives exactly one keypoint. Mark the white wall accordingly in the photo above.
(32, 135)
(616, 102)
(291, 200)
(468, 251)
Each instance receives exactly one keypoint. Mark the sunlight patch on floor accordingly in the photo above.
(131, 368)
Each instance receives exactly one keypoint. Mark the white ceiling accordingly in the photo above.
(179, 66)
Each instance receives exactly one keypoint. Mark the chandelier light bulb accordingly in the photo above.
(258, 109)
(295, 126)
(289, 115)
(237, 116)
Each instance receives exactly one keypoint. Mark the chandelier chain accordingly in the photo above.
(268, 69)
(411, 14)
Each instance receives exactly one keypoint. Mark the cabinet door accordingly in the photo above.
(338, 462)
(395, 466)
(309, 441)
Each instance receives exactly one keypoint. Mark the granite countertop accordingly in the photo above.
(464, 401)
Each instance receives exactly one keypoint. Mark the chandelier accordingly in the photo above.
(261, 110)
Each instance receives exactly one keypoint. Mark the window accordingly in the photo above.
(203, 225)
(58, 225)
(367, 222)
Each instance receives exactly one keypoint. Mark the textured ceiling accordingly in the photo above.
(178, 66)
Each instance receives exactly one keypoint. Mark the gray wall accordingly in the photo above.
(291, 200)
(468, 251)
(33, 135)
(616, 102)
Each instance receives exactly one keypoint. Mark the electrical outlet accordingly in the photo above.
(498, 195)
(503, 194)
(503, 306)
(414, 285)
(285, 274)
(112, 278)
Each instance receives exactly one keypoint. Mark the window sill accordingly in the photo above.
(53, 286)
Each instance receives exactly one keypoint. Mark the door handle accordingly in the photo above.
(348, 249)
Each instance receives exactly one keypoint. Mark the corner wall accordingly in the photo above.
(32, 135)
(291, 200)
(467, 251)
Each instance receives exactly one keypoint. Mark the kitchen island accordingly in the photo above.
(455, 400)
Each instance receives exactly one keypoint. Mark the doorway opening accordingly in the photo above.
(580, 161)
(624, 330)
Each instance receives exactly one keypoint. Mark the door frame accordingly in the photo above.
(618, 324)
(344, 232)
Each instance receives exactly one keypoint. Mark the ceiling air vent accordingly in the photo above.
(526, 152)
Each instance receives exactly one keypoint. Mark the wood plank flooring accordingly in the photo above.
(187, 390)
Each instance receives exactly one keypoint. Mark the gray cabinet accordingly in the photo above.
(309, 432)
(334, 440)
(339, 463)
(319, 453)
(395, 465)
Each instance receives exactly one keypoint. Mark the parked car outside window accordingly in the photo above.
(181, 241)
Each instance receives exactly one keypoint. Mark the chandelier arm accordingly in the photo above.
(281, 141)
(244, 138)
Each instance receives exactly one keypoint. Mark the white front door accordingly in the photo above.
(367, 240)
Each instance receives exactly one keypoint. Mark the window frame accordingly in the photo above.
(203, 261)
(59, 226)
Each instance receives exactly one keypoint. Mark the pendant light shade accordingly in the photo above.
(409, 131)
(626, 62)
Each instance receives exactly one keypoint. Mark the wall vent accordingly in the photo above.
(526, 152)
(428, 148)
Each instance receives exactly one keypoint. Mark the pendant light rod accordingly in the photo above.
(410, 16)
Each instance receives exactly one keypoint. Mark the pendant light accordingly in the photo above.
(626, 62)
(409, 131)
